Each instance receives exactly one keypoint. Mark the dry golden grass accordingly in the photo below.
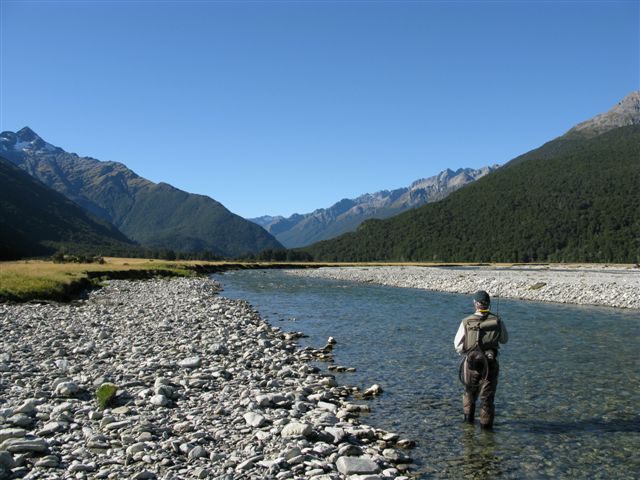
(29, 279)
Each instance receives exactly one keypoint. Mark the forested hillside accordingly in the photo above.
(35, 220)
(575, 199)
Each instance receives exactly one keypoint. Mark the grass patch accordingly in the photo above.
(22, 281)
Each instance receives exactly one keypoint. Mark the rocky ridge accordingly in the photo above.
(204, 388)
(626, 112)
(300, 230)
(155, 215)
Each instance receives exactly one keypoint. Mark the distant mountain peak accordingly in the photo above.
(156, 215)
(25, 134)
(625, 113)
(345, 215)
(25, 139)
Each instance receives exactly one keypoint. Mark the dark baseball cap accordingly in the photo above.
(482, 297)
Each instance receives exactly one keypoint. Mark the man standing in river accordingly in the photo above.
(478, 339)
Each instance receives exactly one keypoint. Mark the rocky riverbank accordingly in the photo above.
(204, 388)
(584, 285)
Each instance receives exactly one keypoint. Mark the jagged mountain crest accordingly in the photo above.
(300, 230)
(25, 139)
(624, 113)
(155, 215)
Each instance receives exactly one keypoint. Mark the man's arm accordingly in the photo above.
(458, 342)
(504, 335)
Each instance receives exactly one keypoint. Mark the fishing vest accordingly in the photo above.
(481, 331)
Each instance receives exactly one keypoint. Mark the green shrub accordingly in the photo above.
(105, 394)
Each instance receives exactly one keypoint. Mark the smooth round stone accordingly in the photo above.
(296, 429)
(191, 362)
(254, 419)
(356, 465)
(197, 452)
(159, 400)
(67, 389)
(20, 420)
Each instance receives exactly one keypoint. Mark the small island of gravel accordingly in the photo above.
(584, 285)
(205, 389)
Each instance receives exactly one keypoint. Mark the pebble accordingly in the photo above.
(356, 465)
(206, 389)
(296, 429)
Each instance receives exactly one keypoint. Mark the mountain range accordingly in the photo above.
(574, 199)
(154, 215)
(300, 230)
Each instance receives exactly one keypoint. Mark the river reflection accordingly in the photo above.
(567, 398)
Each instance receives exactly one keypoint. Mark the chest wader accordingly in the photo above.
(478, 370)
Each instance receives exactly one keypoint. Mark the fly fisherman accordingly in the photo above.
(478, 339)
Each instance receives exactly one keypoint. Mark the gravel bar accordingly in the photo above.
(196, 386)
(583, 285)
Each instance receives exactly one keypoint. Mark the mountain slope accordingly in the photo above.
(344, 216)
(35, 220)
(155, 215)
(575, 199)
(625, 113)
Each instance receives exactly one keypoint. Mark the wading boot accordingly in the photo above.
(486, 427)
(468, 418)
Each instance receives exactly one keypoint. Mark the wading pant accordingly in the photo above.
(480, 384)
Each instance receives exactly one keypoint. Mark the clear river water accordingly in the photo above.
(568, 396)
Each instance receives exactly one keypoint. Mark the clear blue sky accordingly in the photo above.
(283, 107)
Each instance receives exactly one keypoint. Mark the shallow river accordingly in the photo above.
(567, 401)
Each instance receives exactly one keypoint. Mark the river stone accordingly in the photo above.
(373, 391)
(254, 419)
(159, 400)
(395, 456)
(67, 389)
(329, 407)
(6, 460)
(292, 453)
(219, 349)
(197, 452)
(349, 450)
(191, 362)
(135, 448)
(82, 467)
(296, 429)
(28, 407)
(6, 433)
(49, 461)
(13, 445)
(51, 428)
(20, 420)
(144, 475)
(356, 465)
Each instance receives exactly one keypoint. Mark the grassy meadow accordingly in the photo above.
(25, 280)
